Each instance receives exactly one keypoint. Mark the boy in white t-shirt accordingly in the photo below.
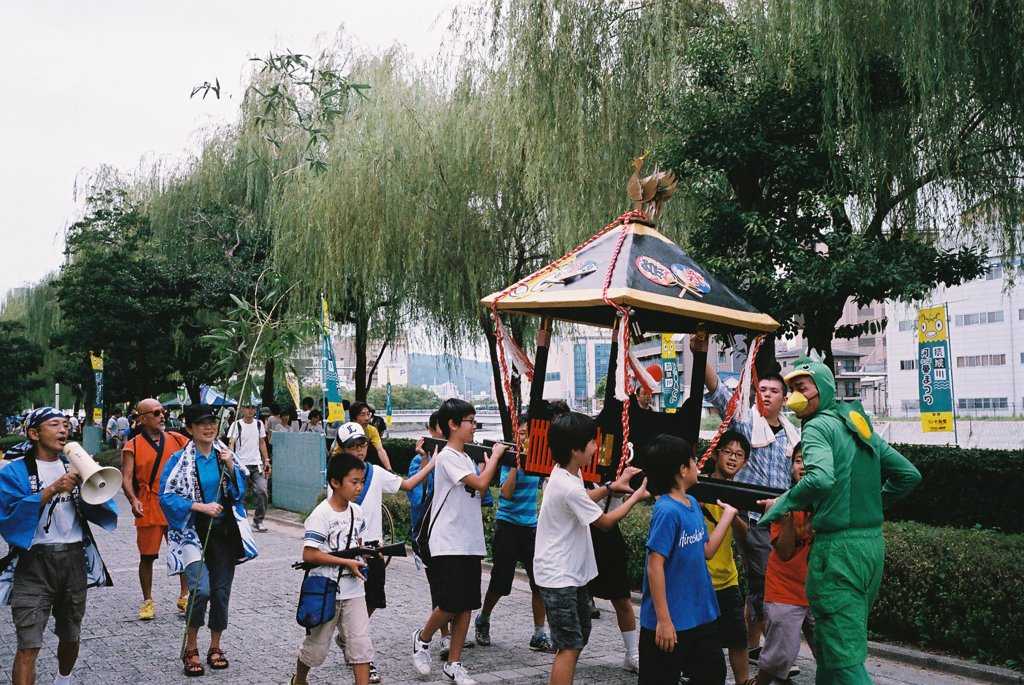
(378, 481)
(563, 561)
(456, 539)
(337, 524)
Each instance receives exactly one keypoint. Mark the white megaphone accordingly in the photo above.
(99, 483)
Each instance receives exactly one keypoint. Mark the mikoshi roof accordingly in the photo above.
(668, 291)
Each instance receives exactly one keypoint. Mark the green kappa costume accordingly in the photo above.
(852, 474)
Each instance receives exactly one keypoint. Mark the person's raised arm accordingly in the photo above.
(718, 534)
(483, 481)
(508, 487)
(417, 478)
(382, 454)
(608, 520)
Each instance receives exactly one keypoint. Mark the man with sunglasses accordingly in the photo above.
(143, 459)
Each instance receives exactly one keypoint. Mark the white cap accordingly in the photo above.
(349, 433)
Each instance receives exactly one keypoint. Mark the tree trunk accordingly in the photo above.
(766, 362)
(193, 391)
(362, 326)
(376, 363)
(492, 348)
(267, 396)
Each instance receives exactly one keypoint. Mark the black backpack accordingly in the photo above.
(421, 534)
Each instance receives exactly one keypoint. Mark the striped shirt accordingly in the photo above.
(768, 466)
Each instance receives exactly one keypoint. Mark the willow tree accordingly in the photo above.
(925, 95)
(341, 227)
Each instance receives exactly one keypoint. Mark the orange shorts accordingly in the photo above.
(148, 539)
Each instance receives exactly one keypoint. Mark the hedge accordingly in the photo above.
(955, 590)
(964, 488)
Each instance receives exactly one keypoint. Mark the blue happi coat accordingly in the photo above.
(20, 509)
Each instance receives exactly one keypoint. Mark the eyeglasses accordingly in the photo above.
(472, 420)
(730, 453)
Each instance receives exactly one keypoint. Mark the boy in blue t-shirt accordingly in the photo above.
(515, 533)
(418, 495)
(677, 621)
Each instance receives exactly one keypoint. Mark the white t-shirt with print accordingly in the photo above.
(383, 481)
(458, 528)
(564, 552)
(247, 441)
(65, 526)
(333, 531)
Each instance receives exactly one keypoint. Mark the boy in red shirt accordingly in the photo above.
(786, 609)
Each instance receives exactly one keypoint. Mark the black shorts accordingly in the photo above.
(454, 583)
(730, 625)
(610, 554)
(374, 586)
(511, 543)
(697, 653)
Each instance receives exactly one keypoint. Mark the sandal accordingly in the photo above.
(215, 657)
(192, 668)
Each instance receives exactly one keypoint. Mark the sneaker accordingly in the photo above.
(446, 646)
(631, 663)
(457, 673)
(754, 653)
(420, 654)
(374, 675)
(483, 630)
(594, 611)
(147, 611)
(793, 672)
(542, 643)
(259, 527)
(182, 603)
(339, 640)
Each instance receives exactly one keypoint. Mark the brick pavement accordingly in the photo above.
(262, 637)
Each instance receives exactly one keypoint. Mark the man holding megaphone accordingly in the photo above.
(45, 520)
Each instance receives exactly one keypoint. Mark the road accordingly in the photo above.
(262, 638)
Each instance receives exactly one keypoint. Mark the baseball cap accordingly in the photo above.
(350, 433)
(195, 413)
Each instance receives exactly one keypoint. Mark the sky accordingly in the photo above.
(87, 83)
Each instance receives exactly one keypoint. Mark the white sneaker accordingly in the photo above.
(631, 663)
(446, 646)
(455, 671)
(420, 654)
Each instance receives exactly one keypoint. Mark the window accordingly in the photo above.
(601, 354)
(850, 389)
(995, 271)
(981, 360)
(911, 324)
(908, 364)
(1022, 359)
(846, 365)
(978, 319)
(1020, 314)
(982, 403)
(553, 376)
(910, 406)
(579, 371)
(866, 342)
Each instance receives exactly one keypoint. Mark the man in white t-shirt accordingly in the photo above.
(248, 440)
(456, 538)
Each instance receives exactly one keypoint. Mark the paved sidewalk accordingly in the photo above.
(262, 639)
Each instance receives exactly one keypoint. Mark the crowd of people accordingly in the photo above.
(190, 491)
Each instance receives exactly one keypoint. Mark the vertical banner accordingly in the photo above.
(935, 384)
(292, 382)
(335, 409)
(387, 401)
(670, 374)
(97, 370)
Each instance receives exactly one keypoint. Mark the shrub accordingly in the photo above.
(963, 488)
(400, 452)
(951, 589)
(9, 441)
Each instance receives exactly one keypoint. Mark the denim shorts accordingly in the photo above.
(568, 611)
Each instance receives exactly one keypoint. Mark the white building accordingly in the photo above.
(986, 344)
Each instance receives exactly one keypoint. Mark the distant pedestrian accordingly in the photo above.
(247, 438)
